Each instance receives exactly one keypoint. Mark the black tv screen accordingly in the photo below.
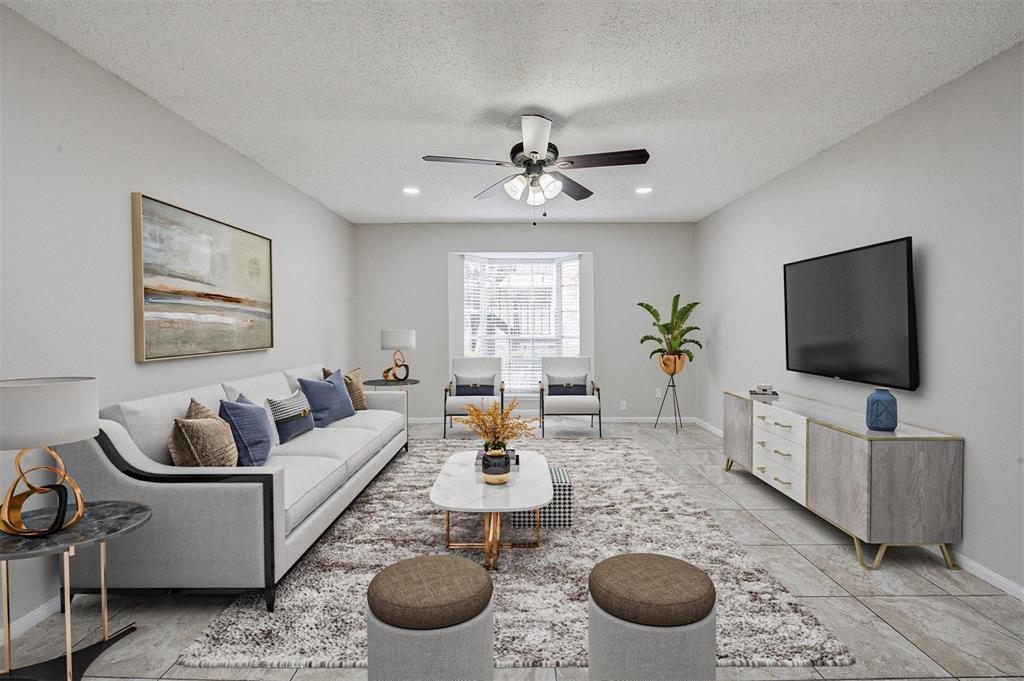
(851, 315)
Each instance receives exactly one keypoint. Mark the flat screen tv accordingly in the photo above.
(851, 315)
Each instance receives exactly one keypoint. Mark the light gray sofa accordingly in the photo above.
(226, 529)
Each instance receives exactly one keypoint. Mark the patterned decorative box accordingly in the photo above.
(556, 514)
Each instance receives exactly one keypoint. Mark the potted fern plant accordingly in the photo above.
(673, 335)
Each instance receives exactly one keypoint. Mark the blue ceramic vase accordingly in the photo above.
(881, 413)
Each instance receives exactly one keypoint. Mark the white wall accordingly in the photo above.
(76, 142)
(946, 170)
(403, 283)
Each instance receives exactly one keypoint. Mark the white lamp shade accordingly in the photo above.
(535, 197)
(398, 339)
(550, 186)
(515, 186)
(39, 412)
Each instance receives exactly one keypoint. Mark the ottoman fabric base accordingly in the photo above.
(557, 514)
(623, 651)
(464, 651)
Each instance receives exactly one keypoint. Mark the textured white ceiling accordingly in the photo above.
(341, 99)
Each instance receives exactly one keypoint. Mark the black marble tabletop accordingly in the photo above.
(102, 520)
(381, 383)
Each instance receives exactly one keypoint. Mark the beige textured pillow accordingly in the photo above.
(354, 385)
(202, 439)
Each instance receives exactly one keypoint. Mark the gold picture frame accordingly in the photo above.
(201, 286)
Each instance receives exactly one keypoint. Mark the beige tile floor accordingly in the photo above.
(913, 619)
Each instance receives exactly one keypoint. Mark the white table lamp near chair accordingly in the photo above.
(397, 340)
(40, 413)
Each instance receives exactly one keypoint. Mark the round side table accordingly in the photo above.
(103, 520)
(381, 383)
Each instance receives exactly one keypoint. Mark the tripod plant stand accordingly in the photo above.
(675, 404)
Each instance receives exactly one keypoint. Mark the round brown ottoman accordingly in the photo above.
(430, 617)
(651, 617)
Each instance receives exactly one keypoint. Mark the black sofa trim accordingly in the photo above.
(264, 479)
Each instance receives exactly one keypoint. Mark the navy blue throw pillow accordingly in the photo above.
(292, 415)
(567, 385)
(328, 399)
(474, 386)
(250, 428)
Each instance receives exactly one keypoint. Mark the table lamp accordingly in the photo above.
(39, 413)
(397, 340)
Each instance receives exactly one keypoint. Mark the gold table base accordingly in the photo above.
(492, 544)
(69, 672)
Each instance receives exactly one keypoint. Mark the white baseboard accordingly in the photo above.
(35, 616)
(978, 570)
(607, 419)
(708, 427)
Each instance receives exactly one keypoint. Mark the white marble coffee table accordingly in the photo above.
(460, 488)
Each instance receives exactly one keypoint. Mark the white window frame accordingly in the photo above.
(456, 298)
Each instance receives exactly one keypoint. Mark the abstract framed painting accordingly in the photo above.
(202, 286)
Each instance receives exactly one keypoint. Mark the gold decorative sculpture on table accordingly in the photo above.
(37, 414)
(397, 340)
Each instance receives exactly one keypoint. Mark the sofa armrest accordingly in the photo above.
(210, 528)
(392, 400)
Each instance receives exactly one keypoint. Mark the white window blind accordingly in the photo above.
(521, 310)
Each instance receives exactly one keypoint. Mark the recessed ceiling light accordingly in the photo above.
(411, 190)
(644, 190)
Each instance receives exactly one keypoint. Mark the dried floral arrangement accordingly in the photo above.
(496, 426)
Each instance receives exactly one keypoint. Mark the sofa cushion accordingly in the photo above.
(350, 446)
(572, 404)
(456, 405)
(385, 424)
(310, 372)
(308, 481)
(149, 420)
(251, 429)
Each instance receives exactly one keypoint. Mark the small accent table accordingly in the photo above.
(102, 521)
(381, 383)
(460, 488)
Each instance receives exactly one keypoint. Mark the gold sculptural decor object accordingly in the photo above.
(38, 414)
(397, 340)
(10, 512)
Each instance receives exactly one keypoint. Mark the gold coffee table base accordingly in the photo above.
(492, 544)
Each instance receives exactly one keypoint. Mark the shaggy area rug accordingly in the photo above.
(624, 502)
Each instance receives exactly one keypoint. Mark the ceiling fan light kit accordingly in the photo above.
(539, 158)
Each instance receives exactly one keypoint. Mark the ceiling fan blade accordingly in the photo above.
(493, 189)
(536, 132)
(475, 161)
(570, 187)
(605, 158)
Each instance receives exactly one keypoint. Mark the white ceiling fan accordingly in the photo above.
(538, 157)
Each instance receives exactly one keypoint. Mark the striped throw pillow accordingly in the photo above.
(292, 415)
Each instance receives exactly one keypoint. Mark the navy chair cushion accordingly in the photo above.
(567, 385)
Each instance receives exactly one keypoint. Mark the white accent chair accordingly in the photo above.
(569, 405)
(475, 367)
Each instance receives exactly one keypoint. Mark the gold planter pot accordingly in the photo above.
(672, 364)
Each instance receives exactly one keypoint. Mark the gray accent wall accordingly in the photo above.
(945, 170)
(403, 283)
(76, 142)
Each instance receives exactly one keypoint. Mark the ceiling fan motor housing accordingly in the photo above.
(532, 166)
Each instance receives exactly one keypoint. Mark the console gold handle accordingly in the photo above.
(762, 443)
(782, 425)
(781, 481)
(763, 418)
(762, 469)
(781, 453)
